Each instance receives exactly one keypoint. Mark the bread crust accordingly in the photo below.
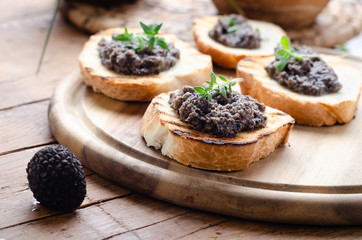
(322, 110)
(228, 57)
(162, 129)
(192, 69)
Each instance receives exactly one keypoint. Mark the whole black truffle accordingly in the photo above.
(56, 178)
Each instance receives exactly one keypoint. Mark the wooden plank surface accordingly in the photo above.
(24, 95)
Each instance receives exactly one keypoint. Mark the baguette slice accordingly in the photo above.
(191, 69)
(308, 110)
(162, 129)
(228, 57)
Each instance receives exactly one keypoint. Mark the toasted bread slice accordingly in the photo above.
(228, 57)
(192, 69)
(308, 110)
(162, 129)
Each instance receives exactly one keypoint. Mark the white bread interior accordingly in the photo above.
(228, 57)
(162, 129)
(192, 69)
(322, 110)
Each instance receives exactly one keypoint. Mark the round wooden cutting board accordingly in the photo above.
(315, 179)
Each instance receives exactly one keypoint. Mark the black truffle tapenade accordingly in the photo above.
(310, 76)
(223, 116)
(122, 58)
(242, 35)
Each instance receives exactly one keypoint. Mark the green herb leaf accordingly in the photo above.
(285, 43)
(209, 97)
(121, 37)
(223, 91)
(297, 56)
(281, 53)
(147, 37)
(232, 29)
(200, 90)
(151, 43)
(285, 54)
(213, 78)
(208, 89)
(144, 37)
(127, 33)
(214, 88)
(140, 44)
(152, 29)
(161, 42)
(124, 37)
(257, 30)
(232, 22)
(282, 64)
(223, 78)
(156, 28)
(341, 47)
(146, 29)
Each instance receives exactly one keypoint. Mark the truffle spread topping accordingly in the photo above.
(225, 115)
(141, 54)
(302, 71)
(234, 31)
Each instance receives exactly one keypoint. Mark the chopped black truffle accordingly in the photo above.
(241, 35)
(223, 116)
(56, 178)
(122, 58)
(309, 76)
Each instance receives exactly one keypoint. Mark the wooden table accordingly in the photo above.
(108, 211)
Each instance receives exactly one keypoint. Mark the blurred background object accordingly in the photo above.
(175, 15)
(338, 22)
(103, 3)
(323, 23)
(289, 14)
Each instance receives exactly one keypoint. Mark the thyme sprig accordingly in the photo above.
(214, 88)
(50, 28)
(233, 28)
(148, 37)
(341, 47)
(287, 53)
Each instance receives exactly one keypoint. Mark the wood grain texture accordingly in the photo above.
(122, 217)
(290, 185)
(23, 28)
(23, 8)
(266, 231)
(19, 82)
(17, 203)
(31, 124)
